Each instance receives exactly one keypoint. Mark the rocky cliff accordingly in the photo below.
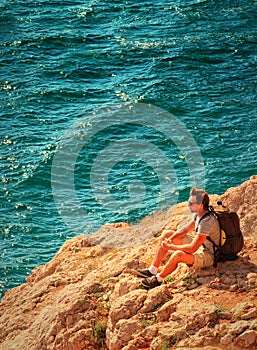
(87, 298)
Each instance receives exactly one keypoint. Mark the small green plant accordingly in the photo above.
(76, 250)
(210, 334)
(221, 308)
(157, 306)
(248, 287)
(168, 279)
(99, 332)
(145, 323)
(149, 322)
(189, 281)
(161, 303)
(97, 294)
(142, 287)
(168, 342)
(164, 346)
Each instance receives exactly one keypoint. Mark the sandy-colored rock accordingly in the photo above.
(86, 297)
(241, 199)
(247, 339)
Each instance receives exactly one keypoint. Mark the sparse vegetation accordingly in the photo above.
(248, 287)
(221, 308)
(148, 322)
(145, 323)
(99, 332)
(167, 343)
(188, 281)
(168, 279)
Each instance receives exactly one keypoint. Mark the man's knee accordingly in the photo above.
(166, 234)
(178, 254)
(181, 256)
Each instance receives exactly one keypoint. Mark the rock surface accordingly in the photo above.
(87, 298)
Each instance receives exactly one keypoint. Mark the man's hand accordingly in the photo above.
(167, 245)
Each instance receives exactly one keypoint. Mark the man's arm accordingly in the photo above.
(187, 248)
(182, 232)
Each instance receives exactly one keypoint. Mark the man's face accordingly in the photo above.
(193, 205)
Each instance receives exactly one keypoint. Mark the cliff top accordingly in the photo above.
(87, 298)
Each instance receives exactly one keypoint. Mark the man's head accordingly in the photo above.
(198, 199)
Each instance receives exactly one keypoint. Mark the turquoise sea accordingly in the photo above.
(67, 65)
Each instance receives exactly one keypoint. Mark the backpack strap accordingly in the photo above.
(216, 248)
(202, 217)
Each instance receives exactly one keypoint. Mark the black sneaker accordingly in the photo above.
(151, 282)
(143, 273)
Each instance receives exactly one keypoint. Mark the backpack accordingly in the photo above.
(231, 239)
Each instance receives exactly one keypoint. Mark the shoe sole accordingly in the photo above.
(148, 287)
(139, 274)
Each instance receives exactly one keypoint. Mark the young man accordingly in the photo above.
(197, 251)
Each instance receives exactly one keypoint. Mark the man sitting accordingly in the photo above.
(196, 251)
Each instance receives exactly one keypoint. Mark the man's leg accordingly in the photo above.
(175, 259)
(172, 264)
(161, 253)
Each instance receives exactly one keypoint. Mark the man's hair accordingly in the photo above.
(201, 197)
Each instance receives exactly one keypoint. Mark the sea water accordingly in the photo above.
(180, 78)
